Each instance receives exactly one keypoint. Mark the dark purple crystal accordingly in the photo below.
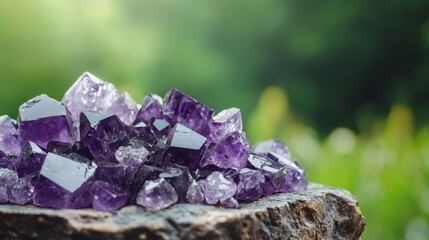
(180, 178)
(98, 148)
(103, 134)
(107, 197)
(42, 120)
(232, 152)
(151, 109)
(31, 159)
(187, 111)
(184, 146)
(224, 123)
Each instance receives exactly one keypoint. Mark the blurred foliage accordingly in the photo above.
(362, 65)
(387, 168)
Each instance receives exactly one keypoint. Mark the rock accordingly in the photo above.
(319, 212)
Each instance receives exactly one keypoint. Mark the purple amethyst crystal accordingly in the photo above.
(115, 174)
(125, 108)
(218, 188)
(7, 177)
(107, 197)
(295, 178)
(180, 178)
(103, 134)
(31, 159)
(9, 142)
(70, 172)
(275, 146)
(151, 109)
(64, 182)
(133, 155)
(159, 127)
(250, 185)
(195, 192)
(184, 147)
(224, 123)
(89, 94)
(43, 119)
(157, 194)
(99, 148)
(185, 110)
(9, 162)
(21, 191)
(49, 194)
(232, 152)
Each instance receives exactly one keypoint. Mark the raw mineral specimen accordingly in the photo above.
(89, 94)
(157, 194)
(9, 142)
(43, 119)
(98, 148)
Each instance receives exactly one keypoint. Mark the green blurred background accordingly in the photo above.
(344, 83)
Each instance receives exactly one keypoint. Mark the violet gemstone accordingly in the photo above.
(103, 134)
(184, 147)
(49, 194)
(89, 94)
(250, 185)
(180, 178)
(294, 176)
(21, 191)
(9, 142)
(31, 159)
(133, 155)
(82, 197)
(150, 109)
(143, 132)
(100, 148)
(232, 152)
(218, 188)
(195, 192)
(107, 197)
(9, 162)
(115, 174)
(159, 127)
(224, 123)
(43, 119)
(187, 111)
(7, 177)
(69, 173)
(275, 146)
(125, 108)
(64, 182)
(157, 194)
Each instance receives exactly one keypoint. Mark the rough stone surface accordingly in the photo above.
(316, 213)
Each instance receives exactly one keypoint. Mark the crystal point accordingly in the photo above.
(157, 194)
(89, 94)
(43, 119)
(232, 152)
(9, 142)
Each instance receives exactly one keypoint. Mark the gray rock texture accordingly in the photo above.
(319, 212)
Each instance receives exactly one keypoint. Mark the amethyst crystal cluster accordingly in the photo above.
(98, 148)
